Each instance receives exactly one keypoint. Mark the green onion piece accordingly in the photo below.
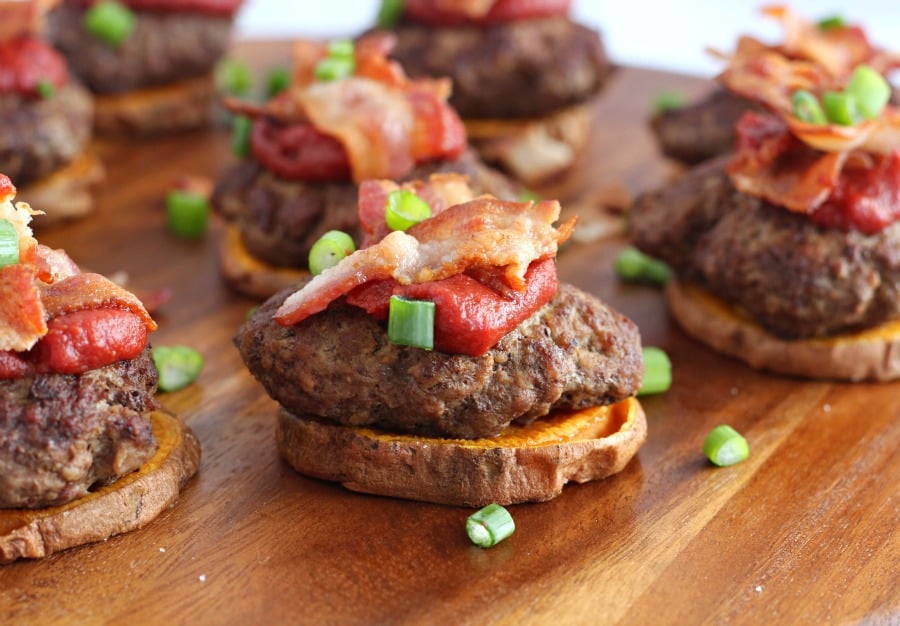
(489, 526)
(334, 68)
(390, 13)
(807, 108)
(9, 243)
(657, 371)
(725, 446)
(233, 77)
(178, 366)
(840, 108)
(277, 81)
(635, 266)
(668, 101)
(341, 49)
(404, 208)
(832, 22)
(241, 126)
(411, 322)
(187, 213)
(45, 89)
(329, 250)
(526, 195)
(870, 89)
(251, 311)
(109, 21)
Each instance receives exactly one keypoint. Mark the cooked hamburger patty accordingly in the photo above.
(281, 219)
(163, 47)
(701, 130)
(795, 278)
(62, 434)
(526, 68)
(41, 135)
(339, 366)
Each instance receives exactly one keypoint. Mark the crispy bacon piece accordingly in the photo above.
(22, 320)
(440, 191)
(484, 232)
(91, 291)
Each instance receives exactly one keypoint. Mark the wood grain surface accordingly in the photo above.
(804, 532)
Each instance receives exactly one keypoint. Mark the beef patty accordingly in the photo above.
(281, 219)
(62, 434)
(795, 278)
(164, 47)
(339, 366)
(41, 135)
(522, 69)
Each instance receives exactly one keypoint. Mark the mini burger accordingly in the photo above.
(525, 75)
(445, 363)
(85, 450)
(46, 118)
(349, 115)
(150, 63)
(820, 52)
(785, 252)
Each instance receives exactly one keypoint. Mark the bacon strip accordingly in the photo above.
(484, 232)
(22, 320)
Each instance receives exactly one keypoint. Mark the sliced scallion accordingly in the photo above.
(657, 371)
(832, 22)
(187, 213)
(178, 366)
(241, 126)
(389, 13)
(277, 81)
(840, 108)
(109, 21)
(329, 250)
(234, 77)
(489, 526)
(633, 265)
(341, 49)
(404, 208)
(411, 322)
(725, 446)
(45, 89)
(9, 243)
(807, 108)
(870, 90)
(668, 101)
(334, 68)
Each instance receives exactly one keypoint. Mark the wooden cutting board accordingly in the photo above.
(805, 531)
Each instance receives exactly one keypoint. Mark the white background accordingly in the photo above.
(669, 35)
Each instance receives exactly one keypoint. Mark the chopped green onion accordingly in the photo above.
(526, 195)
(870, 89)
(329, 250)
(840, 107)
(241, 127)
(45, 89)
(668, 101)
(187, 213)
(277, 81)
(341, 49)
(807, 108)
(404, 209)
(634, 265)
(251, 311)
(725, 446)
(334, 68)
(832, 22)
(9, 243)
(233, 77)
(489, 526)
(178, 366)
(390, 13)
(109, 21)
(657, 372)
(411, 322)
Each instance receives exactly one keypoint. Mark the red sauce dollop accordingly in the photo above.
(299, 152)
(27, 62)
(469, 317)
(426, 12)
(79, 341)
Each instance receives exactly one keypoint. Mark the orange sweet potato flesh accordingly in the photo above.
(523, 464)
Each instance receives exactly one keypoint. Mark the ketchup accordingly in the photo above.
(212, 7)
(430, 12)
(299, 152)
(26, 63)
